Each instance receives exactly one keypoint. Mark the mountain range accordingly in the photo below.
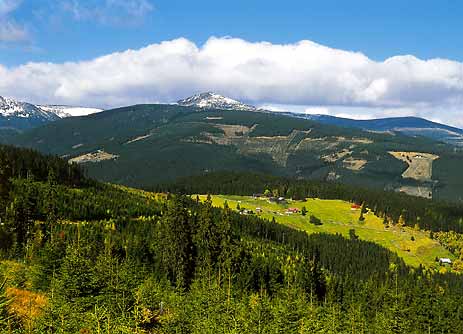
(144, 145)
(410, 126)
(20, 116)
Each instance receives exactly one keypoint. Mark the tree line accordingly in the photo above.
(426, 214)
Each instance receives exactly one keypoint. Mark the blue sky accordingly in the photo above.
(359, 59)
(380, 29)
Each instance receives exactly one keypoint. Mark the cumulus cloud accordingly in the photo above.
(108, 11)
(300, 74)
(10, 30)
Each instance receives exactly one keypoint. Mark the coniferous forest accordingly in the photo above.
(78, 256)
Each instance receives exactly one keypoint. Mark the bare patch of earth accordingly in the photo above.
(97, 156)
(419, 164)
(354, 164)
(418, 191)
(138, 139)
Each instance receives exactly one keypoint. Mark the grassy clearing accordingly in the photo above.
(338, 217)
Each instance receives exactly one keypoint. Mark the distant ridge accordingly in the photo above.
(410, 126)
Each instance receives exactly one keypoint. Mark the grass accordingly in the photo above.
(338, 217)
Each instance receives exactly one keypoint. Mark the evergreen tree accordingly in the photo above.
(22, 211)
(177, 251)
(304, 211)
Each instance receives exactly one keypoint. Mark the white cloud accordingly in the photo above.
(10, 31)
(303, 74)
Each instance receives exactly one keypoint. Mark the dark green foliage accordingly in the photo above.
(304, 211)
(176, 246)
(361, 218)
(352, 235)
(428, 215)
(176, 143)
(314, 220)
(23, 163)
(117, 261)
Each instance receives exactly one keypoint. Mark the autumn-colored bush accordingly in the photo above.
(25, 305)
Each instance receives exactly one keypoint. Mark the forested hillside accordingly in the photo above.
(84, 257)
(145, 145)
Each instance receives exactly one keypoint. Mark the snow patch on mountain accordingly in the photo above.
(18, 116)
(68, 111)
(10, 108)
(211, 100)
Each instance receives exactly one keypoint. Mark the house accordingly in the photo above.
(444, 260)
(292, 210)
(258, 210)
(278, 200)
(355, 207)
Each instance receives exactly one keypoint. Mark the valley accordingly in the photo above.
(231, 167)
(73, 246)
(339, 217)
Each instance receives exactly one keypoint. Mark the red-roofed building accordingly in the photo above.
(293, 210)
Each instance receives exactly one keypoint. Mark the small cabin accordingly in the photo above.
(278, 200)
(444, 260)
(292, 210)
(355, 207)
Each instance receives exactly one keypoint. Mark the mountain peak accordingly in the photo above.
(10, 108)
(210, 100)
(23, 115)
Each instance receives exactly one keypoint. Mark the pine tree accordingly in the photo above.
(51, 205)
(21, 211)
(205, 238)
(177, 250)
(304, 211)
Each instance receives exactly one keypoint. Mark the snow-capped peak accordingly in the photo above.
(13, 108)
(211, 100)
(10, 108)
(22, 115)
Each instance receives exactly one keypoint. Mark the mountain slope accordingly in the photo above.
(144, 145)
(411, 126)
(18, 116)
(22, 115)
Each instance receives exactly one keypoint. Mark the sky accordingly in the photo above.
(359, 59)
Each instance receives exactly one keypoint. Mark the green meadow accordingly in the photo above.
(414, 246)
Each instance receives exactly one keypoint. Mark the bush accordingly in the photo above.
(314, 220)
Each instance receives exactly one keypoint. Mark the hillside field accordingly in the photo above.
(338, 217)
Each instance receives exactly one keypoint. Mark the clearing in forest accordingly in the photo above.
(97, 156)
(414, 246)
(419, 164)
